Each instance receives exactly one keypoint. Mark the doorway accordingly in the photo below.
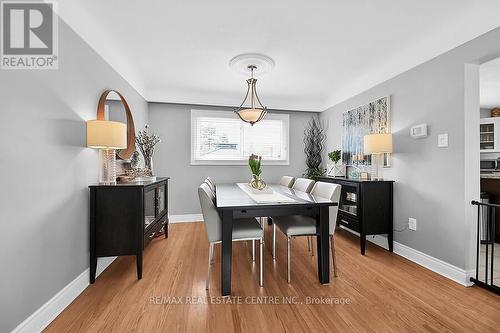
(486, 208)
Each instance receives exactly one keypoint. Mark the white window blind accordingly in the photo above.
(220, 137)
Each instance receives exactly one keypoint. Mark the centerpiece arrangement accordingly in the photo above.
(145, 142)
(336, 170)
(254, 162)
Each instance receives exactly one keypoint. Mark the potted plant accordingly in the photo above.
(254, 162)
(146, 143)
(336, 170)
(314, 139)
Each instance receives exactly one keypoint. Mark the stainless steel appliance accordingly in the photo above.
(490, 165)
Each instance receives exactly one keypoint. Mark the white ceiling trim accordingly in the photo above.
(173, 95)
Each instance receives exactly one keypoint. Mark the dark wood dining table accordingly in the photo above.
(233, 203)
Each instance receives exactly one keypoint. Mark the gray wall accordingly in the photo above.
(485, 113)
(173, 156)
(46, 169)
(429, 180)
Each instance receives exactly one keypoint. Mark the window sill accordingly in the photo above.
(236, 163)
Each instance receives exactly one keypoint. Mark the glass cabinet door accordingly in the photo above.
(349, 200)
(162, 200)
(487, 136)
(149, 207)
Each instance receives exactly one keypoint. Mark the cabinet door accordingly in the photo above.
(349, 200)
(488, 135)
(149, 207)
(162, 199)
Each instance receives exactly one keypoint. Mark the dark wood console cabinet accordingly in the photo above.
(124, 218)
(366, 207)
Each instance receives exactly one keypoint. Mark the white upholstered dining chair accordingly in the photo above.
(287, 181)
(243, 229)
(298, 225)
(302, 185)
(211, 183)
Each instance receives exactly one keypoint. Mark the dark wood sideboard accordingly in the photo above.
(124, 218)
(366, 207)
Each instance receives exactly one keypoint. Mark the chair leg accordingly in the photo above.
(274, 241)
(261, 269)
(288, 258)
(210, 257)
(308, 243)
(213, 254)
(253, 250)
(334, 260)
(312, 245)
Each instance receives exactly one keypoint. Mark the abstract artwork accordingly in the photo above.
(371, 118)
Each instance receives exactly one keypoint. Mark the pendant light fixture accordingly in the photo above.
(251, 109)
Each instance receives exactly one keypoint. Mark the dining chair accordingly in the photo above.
(284, 181)
(299, 225)
(243, 229)
(287, 181)
(211, 183)
(303, 185)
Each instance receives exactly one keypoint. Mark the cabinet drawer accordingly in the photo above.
(150, 233)
(348, 222)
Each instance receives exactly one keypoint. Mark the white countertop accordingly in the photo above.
(493, 175)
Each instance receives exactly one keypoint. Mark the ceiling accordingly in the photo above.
(325, 51)
(490, 84)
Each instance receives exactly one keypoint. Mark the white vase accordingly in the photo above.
(336, 170)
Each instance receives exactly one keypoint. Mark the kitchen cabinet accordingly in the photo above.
(489, 135)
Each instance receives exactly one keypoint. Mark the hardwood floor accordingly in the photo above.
(384, 292)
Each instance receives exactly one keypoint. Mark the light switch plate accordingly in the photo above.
(419, 131)
(412, 224)
(443, 140)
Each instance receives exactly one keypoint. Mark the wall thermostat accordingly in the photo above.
(418, 131)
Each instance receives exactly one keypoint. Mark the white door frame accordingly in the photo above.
(472, 182)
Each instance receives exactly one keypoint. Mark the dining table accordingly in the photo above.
(238, 200)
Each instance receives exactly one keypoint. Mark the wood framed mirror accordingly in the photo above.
(113, 106)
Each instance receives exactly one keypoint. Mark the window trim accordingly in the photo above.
(195, 113)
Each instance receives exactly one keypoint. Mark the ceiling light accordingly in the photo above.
(255, 111)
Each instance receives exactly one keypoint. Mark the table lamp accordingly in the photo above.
(107, 136)
(377, 145)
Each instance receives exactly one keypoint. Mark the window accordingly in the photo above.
(220, 137)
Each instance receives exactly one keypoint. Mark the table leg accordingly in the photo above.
(139, 265)
(362, 243)
(322, 225)
(227, 243)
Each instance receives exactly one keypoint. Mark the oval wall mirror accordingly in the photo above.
(113, 106)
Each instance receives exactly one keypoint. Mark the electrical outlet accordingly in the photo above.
(443, 140)
(412, 224)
